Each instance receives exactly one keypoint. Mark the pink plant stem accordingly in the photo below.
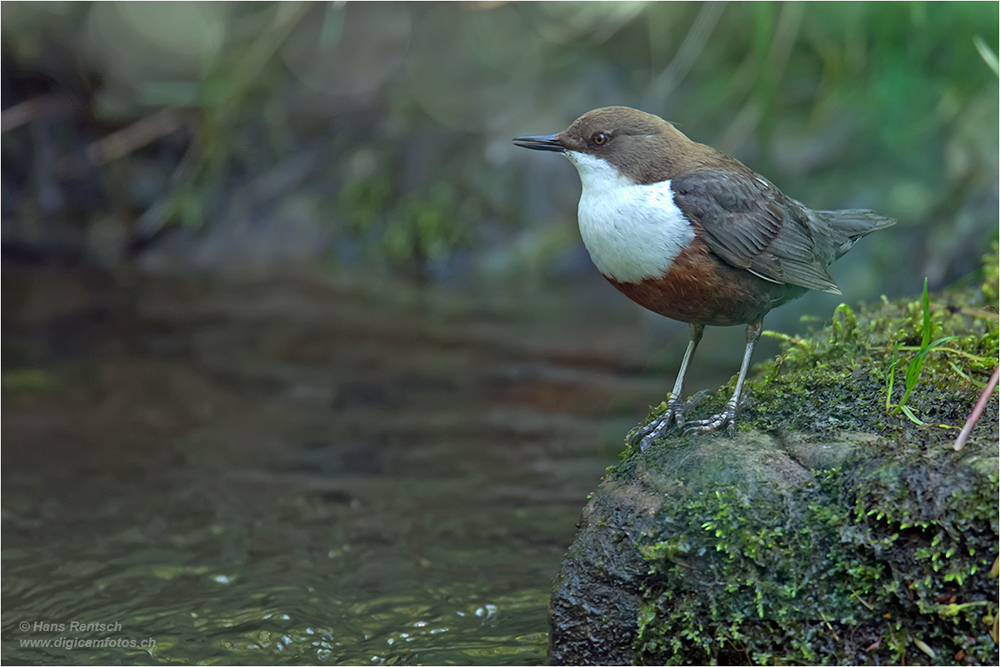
(977, 411)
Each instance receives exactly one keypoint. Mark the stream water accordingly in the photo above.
(293, 471)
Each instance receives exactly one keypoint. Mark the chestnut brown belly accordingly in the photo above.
(699, 288)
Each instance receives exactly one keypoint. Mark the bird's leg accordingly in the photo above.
(675, 408)
(727, 417)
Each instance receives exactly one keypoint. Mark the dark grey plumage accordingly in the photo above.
(751, 225)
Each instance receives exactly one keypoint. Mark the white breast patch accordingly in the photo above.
(631, 231)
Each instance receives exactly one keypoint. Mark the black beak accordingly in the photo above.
(548, 142)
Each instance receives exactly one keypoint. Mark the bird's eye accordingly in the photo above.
(599, 138)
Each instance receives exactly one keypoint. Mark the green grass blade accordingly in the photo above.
(987, 54)
(927, 317)
(913, 370)
(890, 378)
(913, 418)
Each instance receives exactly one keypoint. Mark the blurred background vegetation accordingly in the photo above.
(374, 138)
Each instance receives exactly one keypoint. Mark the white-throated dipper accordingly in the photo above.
(694, 235)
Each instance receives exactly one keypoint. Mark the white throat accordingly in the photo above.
(632, 232)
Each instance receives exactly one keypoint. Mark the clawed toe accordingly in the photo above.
(726, 418)
(674, 414)
(659, 425)
(713, 423)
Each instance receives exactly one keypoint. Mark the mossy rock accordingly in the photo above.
(833, 528)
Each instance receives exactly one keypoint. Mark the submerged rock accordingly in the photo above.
(836, 527)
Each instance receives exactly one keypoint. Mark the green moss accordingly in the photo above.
(860, 565)
(880, 559)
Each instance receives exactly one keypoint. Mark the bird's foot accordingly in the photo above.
(725, 418)
(674, 414)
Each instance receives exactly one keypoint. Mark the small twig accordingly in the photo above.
(977, 411)
(687, 55)
(128, 139)
(961, 353)
(120, 143)
(29, 110)
(20, 114)
(965, 311)
(855, 594)
(835, 637)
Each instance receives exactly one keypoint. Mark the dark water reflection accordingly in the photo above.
(294, 472)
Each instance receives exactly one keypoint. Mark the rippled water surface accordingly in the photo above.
(295, 472)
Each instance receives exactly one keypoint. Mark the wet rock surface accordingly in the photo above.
(599, 590)
(761, 547)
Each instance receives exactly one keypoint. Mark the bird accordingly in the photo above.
(693, 234)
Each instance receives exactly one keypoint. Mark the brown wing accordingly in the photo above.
(751, 225)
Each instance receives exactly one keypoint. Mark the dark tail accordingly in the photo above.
(849, 226)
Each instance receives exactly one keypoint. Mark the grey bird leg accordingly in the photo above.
(727, 417)
(675, 408)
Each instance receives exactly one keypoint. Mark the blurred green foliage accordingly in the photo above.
(879, 104)
(417, 227)
(991, 275)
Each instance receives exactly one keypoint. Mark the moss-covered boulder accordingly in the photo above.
(839, 526)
